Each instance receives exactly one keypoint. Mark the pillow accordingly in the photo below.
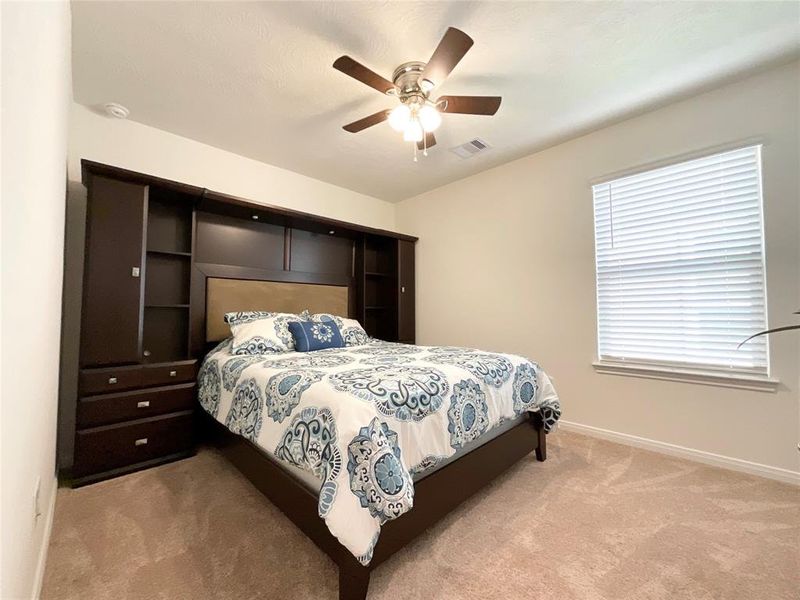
(237, 318)
(352, 332)
(259, 332)
(315, 335)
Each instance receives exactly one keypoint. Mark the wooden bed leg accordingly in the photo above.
(353, 583)
(541, 449)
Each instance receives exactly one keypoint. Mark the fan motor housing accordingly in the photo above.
(407, 79)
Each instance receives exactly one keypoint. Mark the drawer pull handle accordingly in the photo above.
(112, 380)
(143, 404)
(140, 442)
(173, 373)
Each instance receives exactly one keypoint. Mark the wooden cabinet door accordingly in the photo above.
(113, 279)
(406, 310)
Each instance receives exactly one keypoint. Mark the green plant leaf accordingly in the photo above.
(768, 331)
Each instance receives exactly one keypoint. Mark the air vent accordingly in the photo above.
(471, 148)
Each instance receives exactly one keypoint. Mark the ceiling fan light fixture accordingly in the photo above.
(418, 115)
(399, 117)
(430, 118)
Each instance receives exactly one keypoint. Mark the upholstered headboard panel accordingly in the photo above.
(234, 295)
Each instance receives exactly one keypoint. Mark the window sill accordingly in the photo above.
(739, 381)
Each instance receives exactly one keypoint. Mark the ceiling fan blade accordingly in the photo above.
(470, 105)
(448, 53)
(369, 121)
(356, 70)
(430, 140)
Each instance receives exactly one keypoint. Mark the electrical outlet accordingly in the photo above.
(37, 510)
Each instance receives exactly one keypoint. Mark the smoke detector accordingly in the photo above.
(116, 110)
(471, 148)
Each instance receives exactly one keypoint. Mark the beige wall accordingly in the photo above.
(506, 262)
(36, 95)
(131, 145)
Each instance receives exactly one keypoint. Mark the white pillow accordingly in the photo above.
(352, 332)
(259, 332)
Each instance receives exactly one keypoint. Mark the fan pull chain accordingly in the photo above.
(424, 144)
(415, 152)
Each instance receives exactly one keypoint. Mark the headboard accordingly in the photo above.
(233, 295)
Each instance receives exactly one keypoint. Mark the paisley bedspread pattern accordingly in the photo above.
(364, 418)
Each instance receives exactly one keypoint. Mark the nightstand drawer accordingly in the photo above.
(136, 404)
(116, 379)
(113, 446)
(169, 373)
(99, 381)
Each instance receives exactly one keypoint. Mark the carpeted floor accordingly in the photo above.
(596, 521)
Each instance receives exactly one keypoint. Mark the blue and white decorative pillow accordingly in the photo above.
(315, 335)
(259, 332)
(352, 332)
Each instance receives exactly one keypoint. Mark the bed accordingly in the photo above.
(365, 446)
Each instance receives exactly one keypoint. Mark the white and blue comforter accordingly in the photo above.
(363, 418)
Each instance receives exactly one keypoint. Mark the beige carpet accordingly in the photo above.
(597, 520)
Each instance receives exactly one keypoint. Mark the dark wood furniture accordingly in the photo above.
(434, 496)
(150, 245)
(386, 290)
(239, 240)
(142, 333)
(136, 384)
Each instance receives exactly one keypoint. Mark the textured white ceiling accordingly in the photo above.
(256, 78)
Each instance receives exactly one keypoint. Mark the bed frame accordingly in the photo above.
(434, 496)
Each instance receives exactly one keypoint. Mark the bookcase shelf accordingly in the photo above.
(170, 253)
(166, 306)
(165, 330)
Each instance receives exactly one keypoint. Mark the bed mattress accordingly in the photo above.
(358, 425)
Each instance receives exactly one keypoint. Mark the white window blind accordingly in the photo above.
(680, 265)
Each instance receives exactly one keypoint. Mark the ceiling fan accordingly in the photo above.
(417, 115)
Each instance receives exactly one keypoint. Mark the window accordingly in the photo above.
(680, 267)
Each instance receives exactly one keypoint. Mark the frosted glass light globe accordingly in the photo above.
(399, 117)
(413, 131)
(430, 118)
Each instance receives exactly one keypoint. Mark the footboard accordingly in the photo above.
(435, 496)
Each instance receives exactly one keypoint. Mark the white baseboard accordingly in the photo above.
(48, 528)
(708, 458)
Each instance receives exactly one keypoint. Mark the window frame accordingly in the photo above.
(688, 372)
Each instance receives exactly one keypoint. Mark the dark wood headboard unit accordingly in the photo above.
(151, 244)
(235, 238)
